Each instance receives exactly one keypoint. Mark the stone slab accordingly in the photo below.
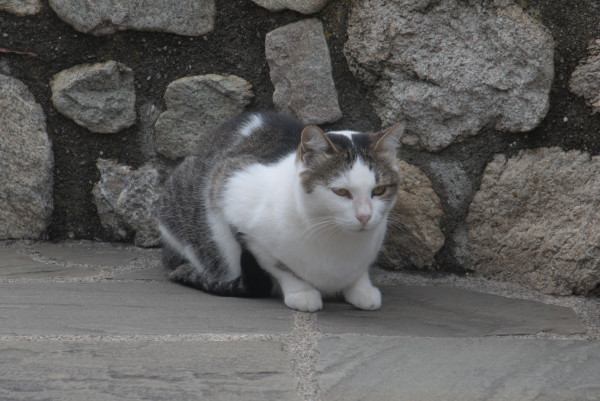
(154, 273)
(133, 308)
(95, 255)
(449, 312)
(364, 368)
(14, 265)
(183, 371)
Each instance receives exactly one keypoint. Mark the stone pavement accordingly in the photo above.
(93, 321)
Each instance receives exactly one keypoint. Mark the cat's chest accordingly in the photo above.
(330, 264)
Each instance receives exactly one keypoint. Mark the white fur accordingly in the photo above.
(253, 123)
(347, 133)
(318, 236)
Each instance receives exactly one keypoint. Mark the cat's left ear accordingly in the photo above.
(314, 142)
(387, 142)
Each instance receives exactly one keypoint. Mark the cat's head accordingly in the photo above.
(348, 179)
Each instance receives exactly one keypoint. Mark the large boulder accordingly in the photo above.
(414, 234)
(21, 7)
(26, 163)
(99, 97)
(195, 107)
(302, 6)
(300, 69)
(127, 202)
(450, 67)
(535, 221)
(585, 80)
(102, 17)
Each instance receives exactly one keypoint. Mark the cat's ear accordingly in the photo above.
(314, 142)
(387, 142)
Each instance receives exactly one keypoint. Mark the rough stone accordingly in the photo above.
(301, 6)
(26, 163)
(21, 7)
(455, 184)
(451, 67)
(15, 265)
(535, 221)
(195, 107)
(146, 370)
(585, 80)
(127, 201)
(103, 17)
(300, 69)
(99, 97)
(414, 235)
(466, 369)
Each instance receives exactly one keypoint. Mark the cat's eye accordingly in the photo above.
(379, 191)
(342, 192)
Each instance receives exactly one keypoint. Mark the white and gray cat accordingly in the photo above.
(271, 206)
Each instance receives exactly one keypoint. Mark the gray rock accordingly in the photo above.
(26, 163)
(451, 67)
(300, 69)
(103, 17)
(21, 7)
(455, 183)
(99, 97)
(127, 201)
(585, 80)
(535, 221)
(195, 107)
(457, 369)
(414, 235)
(302, 6)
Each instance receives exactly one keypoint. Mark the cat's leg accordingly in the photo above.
(297, 293)
(362, 294)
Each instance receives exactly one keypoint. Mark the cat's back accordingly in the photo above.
(263, 137)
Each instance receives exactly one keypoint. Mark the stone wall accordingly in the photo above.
(499, 166)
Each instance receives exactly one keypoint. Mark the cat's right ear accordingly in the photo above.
(314, 142)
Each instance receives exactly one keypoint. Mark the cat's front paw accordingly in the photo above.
(364, 297)
(304, 301)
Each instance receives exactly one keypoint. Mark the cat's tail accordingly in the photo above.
(254, 282)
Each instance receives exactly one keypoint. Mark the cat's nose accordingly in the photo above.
(363, 218)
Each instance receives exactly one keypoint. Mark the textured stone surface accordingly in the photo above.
(585, 80)
(127, 201)
(302, 6)
(132, 308)
(414, 235)
(21, 7)
(195, 107)
(15, 265)
(426, 369)
(115, 371)
(300, 70)
(26, 163)
(99, 97)
(101, 17)
(451, 67)
(449, 312)
(535, 221)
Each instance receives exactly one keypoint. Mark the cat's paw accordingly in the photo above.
(364, 297)
(304, 301)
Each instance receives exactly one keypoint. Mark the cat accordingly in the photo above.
(270, 206)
